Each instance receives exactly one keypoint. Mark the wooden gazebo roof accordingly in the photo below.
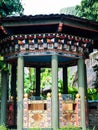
(20, 30)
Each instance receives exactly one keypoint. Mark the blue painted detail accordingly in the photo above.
(45, 59)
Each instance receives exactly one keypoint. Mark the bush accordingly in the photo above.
(70, 128)
(2, 127)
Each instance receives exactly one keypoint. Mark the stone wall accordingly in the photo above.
(93, 113)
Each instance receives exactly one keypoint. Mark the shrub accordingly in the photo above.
(2, 127)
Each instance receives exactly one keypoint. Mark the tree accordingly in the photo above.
(10, 7)
(88, 9)
(69, 10)
(29, 80)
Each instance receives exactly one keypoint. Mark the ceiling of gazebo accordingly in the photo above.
(45, 24)
(45, 61)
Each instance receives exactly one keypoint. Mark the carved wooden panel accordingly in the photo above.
(37, 106)
(67, 106)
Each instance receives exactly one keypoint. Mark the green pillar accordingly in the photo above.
(55, 100)
(20, 87)
(4, 84)
(37, 81)
(65, 83)
(85, 76)
(81, 84)
(86, 94)
(13, 88)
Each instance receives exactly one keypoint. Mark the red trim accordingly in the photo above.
(3, 29)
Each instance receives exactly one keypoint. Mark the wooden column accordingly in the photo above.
(37, 81)
(65, 82)
(20, 87)
(55, 102)
(4, 85)
(81, 84)
(13, 89)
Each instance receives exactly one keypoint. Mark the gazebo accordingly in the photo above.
(54, 40)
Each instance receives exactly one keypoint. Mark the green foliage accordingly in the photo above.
(71, 89)
(3, 127)
(34, 129)
(65, 128)
(46, 80)
(10, 7)
(60, 85)
(92, 94)
(75, 128)
(70, 128)
(46, 77)
(3, 65)
(29, 80)
(68, 10)
(88, 9)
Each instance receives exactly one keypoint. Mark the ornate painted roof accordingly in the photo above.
(66, 35)
(33, 24)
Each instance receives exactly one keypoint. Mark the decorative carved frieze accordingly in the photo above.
(53, 42)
